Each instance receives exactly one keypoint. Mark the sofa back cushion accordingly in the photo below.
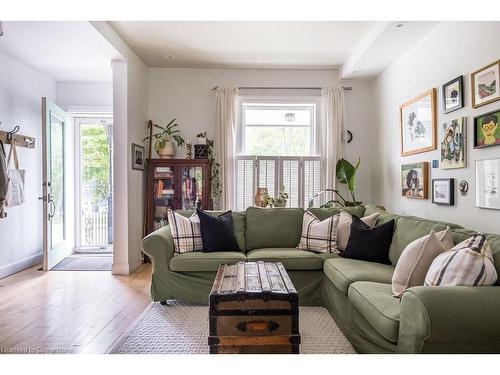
(238, 224)
(325, 213)
(273, 227)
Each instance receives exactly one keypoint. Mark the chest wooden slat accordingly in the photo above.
(253, 309)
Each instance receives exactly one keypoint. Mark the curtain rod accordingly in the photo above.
(346, 88)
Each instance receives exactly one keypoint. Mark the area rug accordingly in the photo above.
(180, 328)
(84, 263)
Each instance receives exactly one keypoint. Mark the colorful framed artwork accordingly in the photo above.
(414, 178)
(486, 130)
(138, 158)
(443, 191)
(487, 183)
(485, 85)
(418, 124)
(453, 95)
(454, 144)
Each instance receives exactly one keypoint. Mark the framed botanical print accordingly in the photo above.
(418, 124)
(485, 85)
(454, 144)
(138, 158)
(414, 178)
(487, 183)
(486, 130)
(443, 191)
(453, 95)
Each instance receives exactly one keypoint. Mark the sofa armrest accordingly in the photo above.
(159, 246)
(455, 319)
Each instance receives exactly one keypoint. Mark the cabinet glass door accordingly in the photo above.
(192, 187)
(164, 195)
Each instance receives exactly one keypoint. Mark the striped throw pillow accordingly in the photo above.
(469, 263)
(186, 232)
(319, 236)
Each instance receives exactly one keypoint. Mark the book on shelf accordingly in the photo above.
(167, 191)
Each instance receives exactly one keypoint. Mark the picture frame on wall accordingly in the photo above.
(487, 129)
(485, 85)
(443, 191)
(453, 95)
(138, 157)
(454, 144)
(487, 183)
(414, 180)
(418, 124)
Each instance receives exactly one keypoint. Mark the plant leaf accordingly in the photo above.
(344, 171)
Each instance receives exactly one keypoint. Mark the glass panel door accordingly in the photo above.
(56, 183)
(164, 195)
(192, 187)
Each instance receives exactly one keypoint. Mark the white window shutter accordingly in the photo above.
(268, 175)
(312, 179)
(245, 182)
(290, 172)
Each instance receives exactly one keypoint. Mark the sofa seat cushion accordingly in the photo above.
(293, 259)
(204, 262)
(374, 301)
(342, 272)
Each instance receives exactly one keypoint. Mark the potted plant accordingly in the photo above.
(216, 184)
(280, 201)
(164, 144)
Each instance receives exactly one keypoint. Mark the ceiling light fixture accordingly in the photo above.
(399, 24)
(170, 57)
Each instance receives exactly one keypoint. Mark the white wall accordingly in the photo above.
(85, 96)
(21, 89)
(185, 94)
(451, 49)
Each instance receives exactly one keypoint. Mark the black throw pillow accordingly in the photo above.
(217, 232)
(369, 244)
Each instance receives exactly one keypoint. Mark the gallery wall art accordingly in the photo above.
(485, 85)
(454, 144)
(414, 180)
(487, 183)
(453, 95)
(486, 130)
(443, 191)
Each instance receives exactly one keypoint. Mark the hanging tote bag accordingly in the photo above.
(15, 192)
(4, 180)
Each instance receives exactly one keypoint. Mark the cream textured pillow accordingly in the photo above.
(344, 227)
(469, 263)
(319, 236)
(416, 259)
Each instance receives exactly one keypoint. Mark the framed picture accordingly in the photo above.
(487, 180)
(414, 180)
(485, 85)
(486, 130)
(453, 95)
(138, 158)
(418, 124)
(454, 144)
(443, 191)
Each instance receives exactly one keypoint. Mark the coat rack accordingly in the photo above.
(19, 139)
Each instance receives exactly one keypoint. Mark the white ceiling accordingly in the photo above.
(63, 51)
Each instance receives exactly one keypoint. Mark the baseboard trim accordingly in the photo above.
(126, 268)
(20, 265)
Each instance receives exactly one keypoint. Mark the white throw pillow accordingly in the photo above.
(319, 236)
(416, 259)
(344, 227)
(186, 232)
(469, 263)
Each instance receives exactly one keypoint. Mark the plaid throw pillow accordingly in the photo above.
(186, 232)
(319, 236)
(470, 263)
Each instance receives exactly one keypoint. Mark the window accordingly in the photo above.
(277, 148)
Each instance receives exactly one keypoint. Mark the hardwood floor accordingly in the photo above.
(69, 311)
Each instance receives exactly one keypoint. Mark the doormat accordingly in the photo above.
(84, 263)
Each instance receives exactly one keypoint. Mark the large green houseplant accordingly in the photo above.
(164, 139)
(346, 174)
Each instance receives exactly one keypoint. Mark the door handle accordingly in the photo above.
(52, 208)
(258, 326)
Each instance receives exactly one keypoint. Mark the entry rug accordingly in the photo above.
(84, 263)
(180, 328)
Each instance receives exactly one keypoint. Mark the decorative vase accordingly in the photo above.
(260, 200)
(167, 151)
(201, 151)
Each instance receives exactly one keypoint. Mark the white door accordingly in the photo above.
(55, 235)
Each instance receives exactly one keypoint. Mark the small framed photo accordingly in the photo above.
(453, 95)
(487, 183)
(138, 157)
(486, 130)
(443, 191)
(414, 180)
(485, 85)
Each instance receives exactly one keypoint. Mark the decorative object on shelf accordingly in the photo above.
(454, 144)
(260, 197)
(486, 130)
(487, 183)
(435, 164)
(216, 185)
(453, 95)
(189, 150)
(418, 124)
(414, 178)
(138, 157)
(201, 151)
(280, 201)
(485, 85)
(164, 144)
(463, 186)
(150, 148)
(443, 191)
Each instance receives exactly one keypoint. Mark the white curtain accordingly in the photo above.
(333, 131)
(225, 143)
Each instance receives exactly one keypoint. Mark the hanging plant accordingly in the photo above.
(216, 185)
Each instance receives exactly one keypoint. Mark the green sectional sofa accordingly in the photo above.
(357, 294)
